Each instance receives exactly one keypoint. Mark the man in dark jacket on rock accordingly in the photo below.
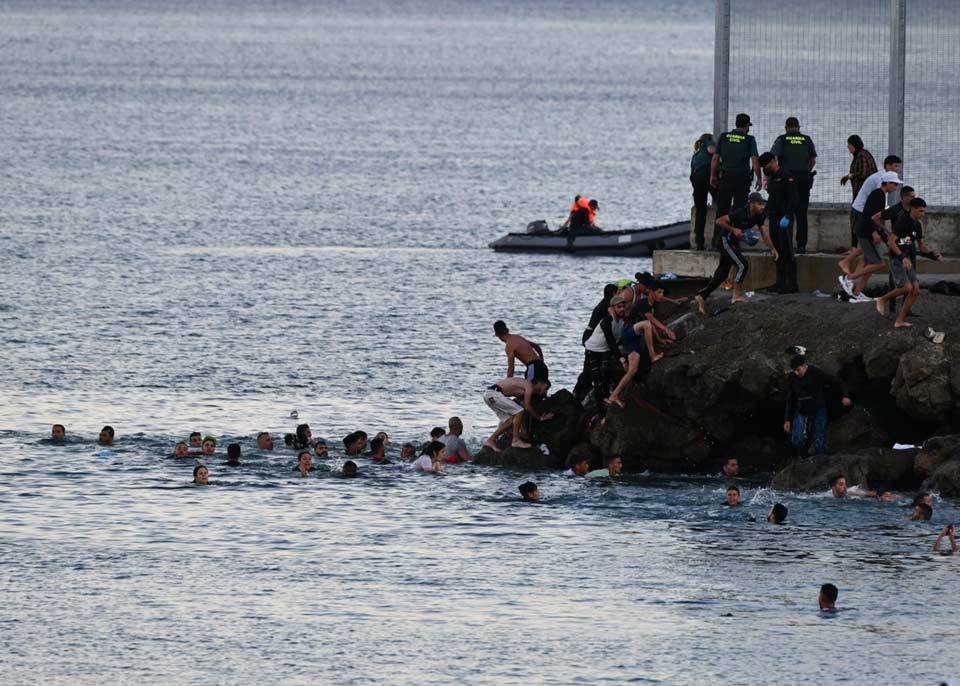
(806, 406)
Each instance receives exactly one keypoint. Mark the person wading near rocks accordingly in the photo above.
(732, 227)
(731, 166)
(502, 398)
(905, 243)
(806, 406)
(518, 347)
(798, 155)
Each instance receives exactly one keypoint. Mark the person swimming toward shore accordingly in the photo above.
(233, 455)
(320, 450)
(408, 452)
(304, 463)
(828, 598)
(181, 450)
(350, 470)
(378, 452)
(106, 435)
(839, 489)
(196, 442)
(431, 459)
(264, 441)
(209, 445)
(201, 475)
(611, 471)
(303, 438)
(352, 443)
(777, 514)
(58, 432)
(578, 465)
(733, 496)
(529, 492)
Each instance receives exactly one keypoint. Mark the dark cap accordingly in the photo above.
(594, 204)
(744, 120)
(756, 197)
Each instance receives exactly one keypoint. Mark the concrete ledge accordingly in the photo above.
(814, 272)
(829, 229)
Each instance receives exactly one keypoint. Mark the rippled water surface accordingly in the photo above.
(216, 213)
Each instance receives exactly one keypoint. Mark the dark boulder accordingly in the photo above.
(946, 479)
(877, 468)
(858, 428)
(935, 452)
(758, 454)
(922, 384)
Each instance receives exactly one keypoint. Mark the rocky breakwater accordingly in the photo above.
(720, 390)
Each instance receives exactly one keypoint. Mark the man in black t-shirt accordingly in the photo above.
(782, 187)
(732, 227)
(871, 234)
(905, 242)
(582, 388)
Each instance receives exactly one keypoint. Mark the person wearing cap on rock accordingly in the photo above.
(797, 154)
(602, 348)
(782, 190)
(730, 168)
(871, 234)
(732, 227)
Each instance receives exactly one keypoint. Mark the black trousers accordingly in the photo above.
(804, 184)
(584, 381)
(854, 223)
(599, 364)
(730, 256)
(786, 259)
(700, 180)
(733, 191)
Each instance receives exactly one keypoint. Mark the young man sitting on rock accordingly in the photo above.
(806, 406)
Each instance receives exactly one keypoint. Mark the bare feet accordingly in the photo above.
(655, 358)
(614, 400)
(517, 443)
(881, 306)
(701, 304)
(490, 444)
(901, 325)
(741, 299)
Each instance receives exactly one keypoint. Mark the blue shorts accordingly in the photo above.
(633, 341)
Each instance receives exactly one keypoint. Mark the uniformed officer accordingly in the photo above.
(731, 164)
(798, 156)
(782, 192)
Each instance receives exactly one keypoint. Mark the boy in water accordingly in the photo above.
(502, 398)
(180, 450)
(304, 463)
(529, 492)
(408, 451)
(579, 465)
(201, 475)
(733, 496)
(777, 514)
(58, 432)
(209, 445)
(106, 435)
(196, 439)
(233, 455)
(828, 598)
(611, 471)
(378, 452)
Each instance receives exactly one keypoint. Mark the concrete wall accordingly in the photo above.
(829, 228)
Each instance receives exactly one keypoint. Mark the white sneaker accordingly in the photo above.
(862, 299)
(846, 284)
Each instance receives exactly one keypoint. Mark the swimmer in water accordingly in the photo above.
(320, 450)
(733, 497)
(350, 470)
(611, 471)
(58, 432)
(304, 463)
(950, 532)
(431, 459)
(921, 513)
(264, 441)
(436, 434)
(362, 435)
(196, 439)
(730, 469)
(181, 450)
(378, 452)
(839, 489)
(777, 514)
(201, 475)
(382, 435)
(352, 443)
(106, 435)
(304, 437)
(828, 598)
(529, 492)
(233, 455)
(579, 465)
(923, 497)
(408, 452)
(209, 445)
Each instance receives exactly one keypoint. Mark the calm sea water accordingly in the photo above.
(216, 213)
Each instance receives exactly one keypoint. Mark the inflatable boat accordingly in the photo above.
(634, 242)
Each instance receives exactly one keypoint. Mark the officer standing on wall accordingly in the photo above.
(730, 167)
(782, 192)
(798, 156)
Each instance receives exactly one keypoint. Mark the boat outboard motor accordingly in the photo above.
(539, 226)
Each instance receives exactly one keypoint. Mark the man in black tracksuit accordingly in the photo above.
(806, 406)
(782, 189)
(730, 168)
(732, 226)
(798, 155)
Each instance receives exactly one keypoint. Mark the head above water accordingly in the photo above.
(733, 495)
(838, 486)
(233, 453)
(614, 465)
(376, 447)
(828, 597)
(106, 435)
(579, 464)
(264, 441)
(320, 448)
(304, 434)
(58, 431)
(304, 460)
(435, 450)
(529, 491)
(778, 514)
(731, 467)
(349, 469)
(181, 450)
(196, 438)
(201, 475)
(209, 445)
(408, 451)
(352, 443)
(437, 432)
(922, 512)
